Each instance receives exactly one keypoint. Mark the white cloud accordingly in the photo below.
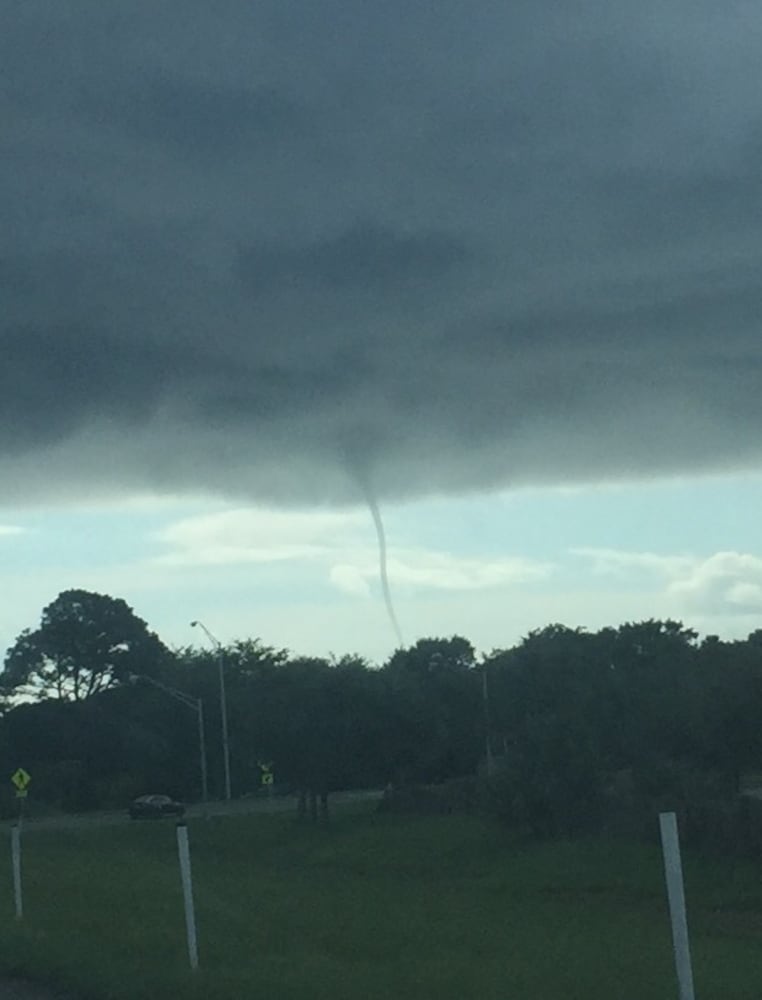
(343, 542)
(726, 581)
(8, 530)
(255, 536)
(350, 580)
(418, 569)
(615, 562)
(443, 571)
(722, 583)
(746, 595)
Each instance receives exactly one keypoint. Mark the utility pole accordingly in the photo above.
(223, 704)
(198, 707)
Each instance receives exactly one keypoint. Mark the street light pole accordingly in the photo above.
(198, 706)
(223, 703)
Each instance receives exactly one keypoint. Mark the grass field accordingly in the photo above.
(372, 907)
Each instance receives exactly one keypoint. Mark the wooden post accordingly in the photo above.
(183, 850)
(673, 871)
(16, 864)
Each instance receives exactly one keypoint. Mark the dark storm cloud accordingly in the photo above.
(365, 257)
(295, 250)
(196, 118)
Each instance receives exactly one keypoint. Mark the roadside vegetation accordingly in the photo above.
(513, 852)
(375, 906)
(573, 726)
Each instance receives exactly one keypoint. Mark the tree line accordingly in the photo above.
(555, 722)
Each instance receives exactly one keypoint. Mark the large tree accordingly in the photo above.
(434, 707)
(85, 643)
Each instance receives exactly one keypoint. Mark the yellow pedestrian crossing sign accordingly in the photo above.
(21, 779)
(267, 772)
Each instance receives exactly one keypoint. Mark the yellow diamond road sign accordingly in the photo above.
(267, 772)
(21, 779)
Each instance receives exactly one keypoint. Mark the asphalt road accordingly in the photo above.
(236, 807)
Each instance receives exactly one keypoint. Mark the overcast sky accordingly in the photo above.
(494, 262)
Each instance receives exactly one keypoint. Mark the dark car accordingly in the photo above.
(155, 806)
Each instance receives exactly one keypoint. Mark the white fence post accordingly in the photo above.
(183, 850)
(16, 863)
(673, 871)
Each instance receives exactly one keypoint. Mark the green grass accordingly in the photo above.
(372, 907)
